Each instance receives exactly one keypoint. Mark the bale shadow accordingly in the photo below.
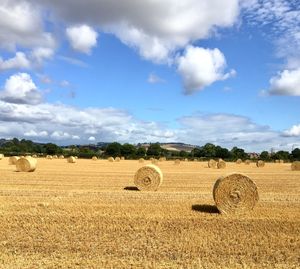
(212, 209)
(131, 188)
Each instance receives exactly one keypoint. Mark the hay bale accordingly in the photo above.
(55, 157)
(111, 159)
(61, 157)
(162, 159)
(154, 161)
(122, 158)
(281, 161)
(94, 158)
(117, 159)
(148, 178)
(238, 161)
(71, 159)
(186, 159)
(1, 156)
(49, 157)
(195, 160)
(177, 162)
(76, 157)
(295, 166)
(260, 163)
(13, 160)
(277, 161)
(247, 162)
(141, 160)
(27, 164)
(221, 164)
(212, 163)
(235, 193)
(34, 156)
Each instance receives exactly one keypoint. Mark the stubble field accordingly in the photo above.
(80, 216)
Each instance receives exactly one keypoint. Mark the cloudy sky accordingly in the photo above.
(193, 71)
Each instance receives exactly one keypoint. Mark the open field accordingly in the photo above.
(80, 216)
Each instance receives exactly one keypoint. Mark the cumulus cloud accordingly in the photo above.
(20, 89)
(40, 54)
(286, 82)
(33, 133)
(82, 38)
(201, 67)
(20, 61)
(92, 139)
(294, 131)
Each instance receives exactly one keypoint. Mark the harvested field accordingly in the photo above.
(89, 215)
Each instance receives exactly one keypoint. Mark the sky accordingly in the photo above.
(191, 71)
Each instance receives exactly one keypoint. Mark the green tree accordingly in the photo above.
(296, 154)
(141, 152)
(238, 153)
(209, 150)
(128, 150)
(154, 150)
(222, 152)
(113, 149)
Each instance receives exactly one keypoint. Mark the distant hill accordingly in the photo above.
(173, 146)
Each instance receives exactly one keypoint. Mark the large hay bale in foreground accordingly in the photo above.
(295, 166)
(260, 163)
(212, 163)
(148, 178)
(71, 159)
(238, 161)
(1, 156)
(13, 160)
(221, 164)
(94, 158)
(111, 159)
(27, 164)
(177, 161)
(117, 159)
(235, 193)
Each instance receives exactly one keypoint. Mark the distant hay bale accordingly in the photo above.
(148, 178)
(221, 164)
(235, 194)
(122, 158)
(281, 161)
(238, 161)
(94, 158)
(141, 160)
(177, 161)
(162, 159)
(295, 166)
(195, 160)
(111, 159)
(212, 163)
(34, 156)
(27, 164)
(117, 159)
(1, 156)
(55, 157)
(151, 159)
(61, 157)
(49, 157)
(186, 159)
(76, 157)
(154, 161)
(247, 161)
(277, 161)
(13, 160)
(260, 163)
(71, 159)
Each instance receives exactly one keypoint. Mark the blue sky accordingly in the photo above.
(224, 72)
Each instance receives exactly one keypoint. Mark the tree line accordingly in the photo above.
(129, 151)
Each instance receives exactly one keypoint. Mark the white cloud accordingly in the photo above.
(286, 83)
(21, 24)
(154, 79)
(41, 53)
(20, 61)
(294, 131)
(82, 38)
(20, 89)
(92, 139)
(201, 67)
(32, 133)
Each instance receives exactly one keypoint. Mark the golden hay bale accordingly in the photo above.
(122, 158)
(55, 157)
(177, 161)
(235, 193)
(154, 161)
(76, 157)
(151, 159)
(1, 156)
(162, 159)
(94, 158)
(71, 159)
(27, 164)
(277, 161)
(49, 157)
(117, 159)
(260, 163)
(61, 157)
(247, 161)
(212, 163)
(195, 160)
(141, 160)
(281, 161)
(13, 160)
(186, 159)
(238, 161)
(148, 178)
(295, 166)
(34, 156)
(111, 159)
(221, 164)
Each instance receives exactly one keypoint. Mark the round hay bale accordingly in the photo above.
(117, 159)
(34, 156)
(247, 162)
(221, 164)
(122, 158)
(186, 159)
(71, 159)
(151, 159)
(295, 166)
(94, 158)
(49, 157)
(238, 161)
(111, 159)
(55, 157)
(260, 163)
(148, 178)
(27, 164)
(1, 156)
(154, 161)
(177, 161)
(235, 193)
(141, 160)
(13, 160)
(277, 161)
(195, 160)
(212, 163)
(161, 159)
(76, 157)
(281, 161)
(61, 157)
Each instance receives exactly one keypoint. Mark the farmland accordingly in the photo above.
(88, 215)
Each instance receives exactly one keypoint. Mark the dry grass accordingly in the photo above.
(65, 216)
